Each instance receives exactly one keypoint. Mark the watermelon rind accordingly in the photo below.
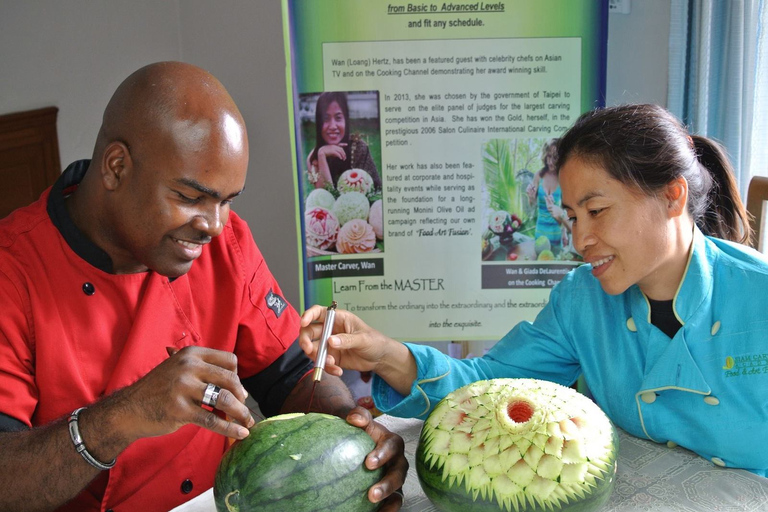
(297, 463)
(475, 453)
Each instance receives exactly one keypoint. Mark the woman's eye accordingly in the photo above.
(596, 211)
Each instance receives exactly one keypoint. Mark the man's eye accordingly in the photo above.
(187, 199)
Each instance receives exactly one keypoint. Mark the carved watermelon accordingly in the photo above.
(297, 463)
(517, 445)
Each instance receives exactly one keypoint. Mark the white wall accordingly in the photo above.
(638, 54)
(72, 54)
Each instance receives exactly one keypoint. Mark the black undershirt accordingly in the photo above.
(663, 317)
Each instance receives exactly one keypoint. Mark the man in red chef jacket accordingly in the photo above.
(136, 310)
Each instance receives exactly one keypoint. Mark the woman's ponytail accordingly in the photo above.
(718, 212)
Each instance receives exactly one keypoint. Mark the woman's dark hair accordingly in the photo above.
(323, 102)
(549, 147)
(646, 147)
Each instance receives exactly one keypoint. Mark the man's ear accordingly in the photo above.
(116, 162)
(676, 195)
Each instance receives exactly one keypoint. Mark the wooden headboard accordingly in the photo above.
(29, 156)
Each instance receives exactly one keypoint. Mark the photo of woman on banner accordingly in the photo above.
(525, 218)
(665, 320)
(343, 211)
(544, 192)
(336, 149)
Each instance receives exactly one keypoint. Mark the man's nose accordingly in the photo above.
(211, 221)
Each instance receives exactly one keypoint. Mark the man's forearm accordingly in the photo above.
(331, 396)
(40, 469)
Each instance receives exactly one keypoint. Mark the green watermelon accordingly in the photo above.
(297, 463)
(517, 445)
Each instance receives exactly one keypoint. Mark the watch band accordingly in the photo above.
(77, 440)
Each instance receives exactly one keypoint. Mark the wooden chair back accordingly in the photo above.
(757, 195)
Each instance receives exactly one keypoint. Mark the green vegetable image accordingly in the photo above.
(546, 255)
(543, 244)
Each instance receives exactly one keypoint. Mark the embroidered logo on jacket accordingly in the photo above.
(276, 303)
(748, 364)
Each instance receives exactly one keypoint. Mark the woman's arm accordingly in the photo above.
(356, 346)
(532, 188)
(323, 169)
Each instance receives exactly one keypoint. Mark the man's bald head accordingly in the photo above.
(171, 155)
(169, 103)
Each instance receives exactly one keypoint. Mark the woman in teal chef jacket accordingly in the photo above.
(666, 320)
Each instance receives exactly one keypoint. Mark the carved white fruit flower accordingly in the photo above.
(352, 205)
(376, 219)
(321, 228)
(320, 197)
(355, 180)
(517, 445)
(355, 236)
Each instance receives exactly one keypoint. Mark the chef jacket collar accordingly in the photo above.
(694, 288)
(696, 285)
(57, 211)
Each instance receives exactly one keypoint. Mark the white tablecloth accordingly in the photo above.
(651, 477)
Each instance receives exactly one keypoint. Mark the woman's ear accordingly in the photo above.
(676, 195)
(116, 161)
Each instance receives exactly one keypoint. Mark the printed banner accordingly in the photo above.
(423, 155)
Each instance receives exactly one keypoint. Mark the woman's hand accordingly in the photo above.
(531, 191)
(356, 346)
(389, 453)
(322, 169)
(555, 211)
(332, 151)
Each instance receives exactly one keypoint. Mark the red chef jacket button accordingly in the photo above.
(186, 486)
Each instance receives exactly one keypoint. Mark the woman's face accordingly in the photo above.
(624, 234)
(334, 124)
(551, 157)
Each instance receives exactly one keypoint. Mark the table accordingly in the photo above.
(650, 477)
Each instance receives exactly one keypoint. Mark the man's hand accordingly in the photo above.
(389, 453)
(170, 396)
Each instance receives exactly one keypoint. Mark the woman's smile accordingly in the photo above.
(621, 232)
(334, 124)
